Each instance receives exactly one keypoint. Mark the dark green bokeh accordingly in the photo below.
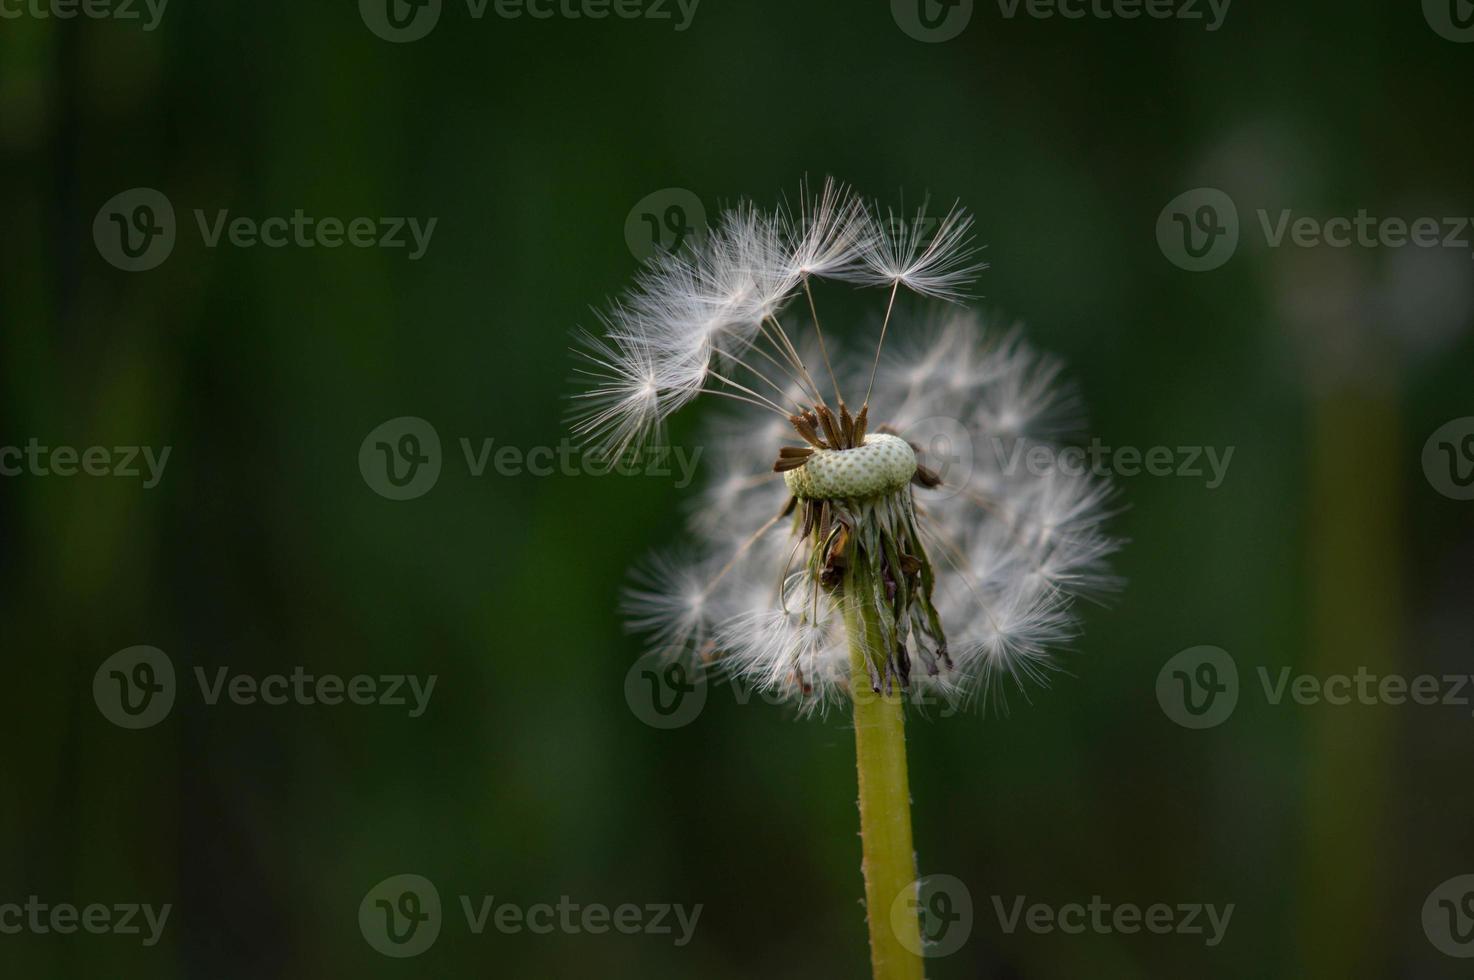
(529, 778)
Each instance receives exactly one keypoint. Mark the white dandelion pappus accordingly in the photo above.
(960, 584)
(932, 262)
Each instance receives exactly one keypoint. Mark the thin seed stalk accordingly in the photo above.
(889, 857)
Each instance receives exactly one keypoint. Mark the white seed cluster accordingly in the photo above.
(883, 465)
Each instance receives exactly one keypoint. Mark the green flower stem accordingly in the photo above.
(1356, 549)
(889, 859)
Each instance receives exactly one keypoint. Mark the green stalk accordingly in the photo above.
(889, 861)
(1356, 554)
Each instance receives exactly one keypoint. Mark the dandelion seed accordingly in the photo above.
(928, 257)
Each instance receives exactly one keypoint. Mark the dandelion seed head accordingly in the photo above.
(969, 563)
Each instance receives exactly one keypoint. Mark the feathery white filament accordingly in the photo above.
(933, 257)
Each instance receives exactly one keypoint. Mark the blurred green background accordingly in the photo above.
(1328, 546)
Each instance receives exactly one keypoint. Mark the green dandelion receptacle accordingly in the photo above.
(882, 466)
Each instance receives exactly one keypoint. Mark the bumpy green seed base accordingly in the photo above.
(882, 466)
